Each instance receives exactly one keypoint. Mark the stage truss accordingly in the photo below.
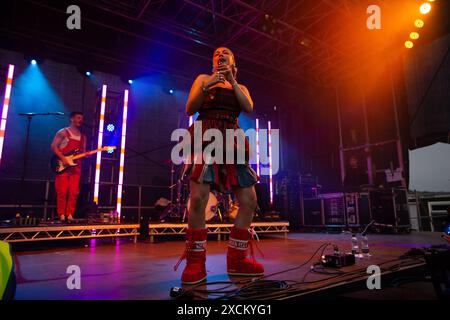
(64, 232)
(219, 229)
(70, 232)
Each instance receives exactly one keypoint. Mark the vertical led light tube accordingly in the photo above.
(257, 147)
(5, 108)
(122, 153)
(269, 126)
(98, 163)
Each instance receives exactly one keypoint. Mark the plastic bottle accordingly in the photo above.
(365, 245)
(355, 247)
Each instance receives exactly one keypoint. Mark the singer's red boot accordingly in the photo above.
(238, 264)
(195, 255)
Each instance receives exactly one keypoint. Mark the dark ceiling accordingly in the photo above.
(285, 41)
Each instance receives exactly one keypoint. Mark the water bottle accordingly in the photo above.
(355, 247)
(365, 245)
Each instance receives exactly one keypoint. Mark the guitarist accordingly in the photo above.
(67, 183)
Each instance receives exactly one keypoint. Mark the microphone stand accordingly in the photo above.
(29, 116)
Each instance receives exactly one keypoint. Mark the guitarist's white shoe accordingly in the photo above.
(70, 217)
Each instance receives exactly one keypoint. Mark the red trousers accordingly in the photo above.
(67, 190)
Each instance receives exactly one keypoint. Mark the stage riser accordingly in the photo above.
(64, 232)
(170, 229)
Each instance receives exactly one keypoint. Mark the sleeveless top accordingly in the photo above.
(220, 104)
(220, 110)
(71, 143)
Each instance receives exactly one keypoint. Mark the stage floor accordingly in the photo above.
(127, 270)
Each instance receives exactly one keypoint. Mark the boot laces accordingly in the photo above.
(184, 255)
(250, 243)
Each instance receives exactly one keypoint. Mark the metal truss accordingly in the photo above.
(300, 44)
(64, 232)
(307, 40)
(165, 229)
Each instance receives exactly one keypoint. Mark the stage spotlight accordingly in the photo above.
(305, 42)
(425, 8)
(447, 229)
(418, 23)
(110, 151)
(409, 44)
(171, 91)
(88, 73)
(414, 35)
(130, 81)
(269, 24)
(110, 127)
(33, 58)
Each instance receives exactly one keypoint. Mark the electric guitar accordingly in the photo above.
(58, 167)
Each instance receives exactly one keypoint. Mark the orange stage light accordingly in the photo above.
(409, 44)
(418, 23)
(414, 35)
(425, 8)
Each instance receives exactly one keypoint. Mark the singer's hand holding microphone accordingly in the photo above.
(227, 71)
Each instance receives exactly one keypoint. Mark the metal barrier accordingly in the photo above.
(46, 205)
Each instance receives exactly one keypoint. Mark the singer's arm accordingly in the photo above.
(196, 95)
(57, 140)
(243, 96)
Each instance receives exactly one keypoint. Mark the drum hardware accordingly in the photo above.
(174, 211)
(220, 207)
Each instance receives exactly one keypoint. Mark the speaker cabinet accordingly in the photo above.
(313, 213)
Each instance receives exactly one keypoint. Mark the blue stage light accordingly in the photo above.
(171, 91)
(88, 73)
(33, 62)
(130, 81)
(110, 127)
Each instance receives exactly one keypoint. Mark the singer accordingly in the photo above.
(219, 99)
(68, 140)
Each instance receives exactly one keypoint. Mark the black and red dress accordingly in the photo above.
(220, 110)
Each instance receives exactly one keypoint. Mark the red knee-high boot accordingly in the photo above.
(195, 255)
(238, 263)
